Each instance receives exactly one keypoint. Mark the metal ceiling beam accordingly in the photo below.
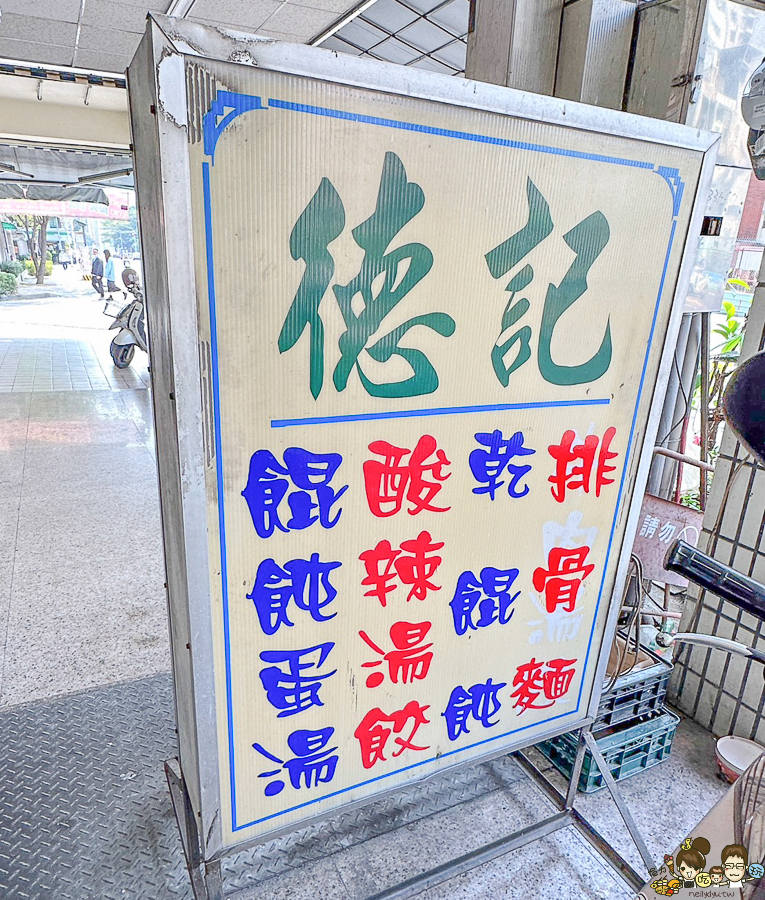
(180, 8)
(341, 22)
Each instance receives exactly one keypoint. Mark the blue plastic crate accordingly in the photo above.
(628, 749)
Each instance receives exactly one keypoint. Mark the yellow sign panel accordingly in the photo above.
(430, 338)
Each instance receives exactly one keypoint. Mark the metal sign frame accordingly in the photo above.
(180, 373)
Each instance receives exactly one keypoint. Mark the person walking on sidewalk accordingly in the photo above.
(63, 258)
(97, 273)
(111, 285)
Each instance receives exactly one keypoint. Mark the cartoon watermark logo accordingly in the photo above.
(688, 871)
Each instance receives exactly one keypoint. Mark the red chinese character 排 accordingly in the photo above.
(559, 581)
(569, 475)
(410, 660)
(391, 481)
(536, 679)
(376, 727)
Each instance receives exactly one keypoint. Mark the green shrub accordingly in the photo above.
(7, 283)
(14, 266)
(48, 266)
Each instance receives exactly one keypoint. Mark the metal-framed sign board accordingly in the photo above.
(409, 339)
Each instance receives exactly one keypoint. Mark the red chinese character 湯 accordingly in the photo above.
(411, 658)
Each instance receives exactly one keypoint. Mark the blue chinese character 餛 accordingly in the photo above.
(268, 482)
(479, 701)
(293, 691)
(490, 597)
(313, 762)
(304, 581)
(488, 465)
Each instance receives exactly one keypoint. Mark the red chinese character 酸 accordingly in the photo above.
(391, 481)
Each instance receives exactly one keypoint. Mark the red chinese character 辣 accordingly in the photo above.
(390, 482)
(574, 463)
(559, 581)
(415, 568)
(534, 680)
(376, 728)
(410, 661)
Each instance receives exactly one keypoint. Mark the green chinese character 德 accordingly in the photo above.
(322, 221)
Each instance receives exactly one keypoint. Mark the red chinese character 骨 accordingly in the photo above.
(559, 581)
(570, 475)
(410, 660)
(376, 727)
(389, 482)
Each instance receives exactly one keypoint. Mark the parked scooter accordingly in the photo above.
(130, 321)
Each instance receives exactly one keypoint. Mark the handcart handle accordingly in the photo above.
(741, 591)
(712, 641)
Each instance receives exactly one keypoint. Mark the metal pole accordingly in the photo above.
(624, 811)
(478, 857)
(704, 405)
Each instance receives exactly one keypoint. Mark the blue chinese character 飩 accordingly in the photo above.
(304, 581)
(313, 762)
(268, 482)
(479, 701)
(488, 465)
(489, 597)
(293, 691)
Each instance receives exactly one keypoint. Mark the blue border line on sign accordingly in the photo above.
(219, 470)
(214, 130)
(439, 411)
(458, 135)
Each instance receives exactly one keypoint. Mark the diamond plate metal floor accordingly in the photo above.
(85, 813)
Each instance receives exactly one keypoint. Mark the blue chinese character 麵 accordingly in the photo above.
(294, 690)
(269, 481)
(488, 465)
(302, 581)
(313, 762)
(479, 603)
(479, 701)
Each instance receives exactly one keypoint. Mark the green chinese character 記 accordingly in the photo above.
(587, 240)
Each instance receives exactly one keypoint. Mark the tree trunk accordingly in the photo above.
(43, 246)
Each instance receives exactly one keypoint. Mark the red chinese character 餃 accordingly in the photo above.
(411, 658)
(416, 569)
(536, 679)
(569, 475)
(391, 481)
(376, 727)
(559, 581)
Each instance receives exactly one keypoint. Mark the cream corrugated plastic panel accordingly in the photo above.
(426, 34)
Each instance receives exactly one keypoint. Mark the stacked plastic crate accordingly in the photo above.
(633, 730)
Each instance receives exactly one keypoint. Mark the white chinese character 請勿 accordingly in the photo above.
(649, 526)
(667, 532)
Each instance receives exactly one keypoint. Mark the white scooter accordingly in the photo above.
(130, 321)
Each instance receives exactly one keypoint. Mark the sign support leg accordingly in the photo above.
(206, 880)
(624, 811)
